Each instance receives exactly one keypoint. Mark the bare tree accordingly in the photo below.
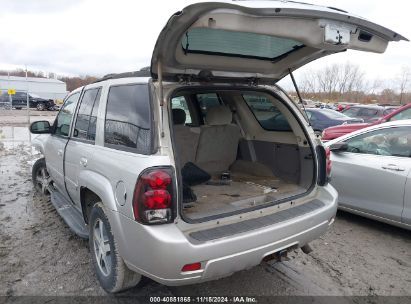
(328, 79)
(403, 81)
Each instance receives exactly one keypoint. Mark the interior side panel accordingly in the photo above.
(283, 159)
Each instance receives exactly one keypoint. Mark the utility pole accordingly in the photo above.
(28, 101)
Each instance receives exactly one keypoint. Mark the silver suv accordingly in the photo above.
(175, 172)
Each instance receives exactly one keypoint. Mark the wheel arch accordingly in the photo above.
(94, 186)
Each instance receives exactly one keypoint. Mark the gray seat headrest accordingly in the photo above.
(179, 116)
(219, 115)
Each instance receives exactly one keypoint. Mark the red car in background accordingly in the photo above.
(333, 132)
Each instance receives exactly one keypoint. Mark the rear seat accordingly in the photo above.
(218, 142)
(186, 138)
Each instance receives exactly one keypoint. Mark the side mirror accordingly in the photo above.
(40, 127)
(339, 147)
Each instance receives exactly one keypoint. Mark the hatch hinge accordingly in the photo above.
(184, 79)
(253, 81)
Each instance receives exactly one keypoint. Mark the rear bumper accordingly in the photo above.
(160, 252)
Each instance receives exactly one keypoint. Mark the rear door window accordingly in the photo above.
(85, 127)
(267, 114)
(128, 119)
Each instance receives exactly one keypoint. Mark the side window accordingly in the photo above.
(128, 119)
(85, 127)
(406, 114)
(267, 114)
(181, 103)
(390, 142)
(63, 120)
(206, 101)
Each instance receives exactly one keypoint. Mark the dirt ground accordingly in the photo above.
(19, 117)
(41, 256)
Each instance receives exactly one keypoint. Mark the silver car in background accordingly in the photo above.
(371, 172)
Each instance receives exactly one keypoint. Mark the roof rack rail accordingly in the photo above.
(143, 72)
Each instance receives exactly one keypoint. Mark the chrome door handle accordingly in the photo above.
(83, 162)
(60, 152)
(392, 167)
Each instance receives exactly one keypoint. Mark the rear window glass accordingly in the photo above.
(237, 44)
(128, 119)
(267, 114)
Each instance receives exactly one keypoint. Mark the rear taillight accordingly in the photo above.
(328, 162)
(153, 196)
(324, 165)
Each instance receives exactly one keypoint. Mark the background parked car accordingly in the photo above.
(371, 171)
(19, 101)
(369, 113)
(5, 101)
(398, 114)
(324, 118)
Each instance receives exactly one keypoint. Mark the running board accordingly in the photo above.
(70, 214)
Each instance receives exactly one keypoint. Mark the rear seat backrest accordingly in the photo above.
(185, 139)
(218, 142)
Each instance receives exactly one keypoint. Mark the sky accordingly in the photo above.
(96, 37)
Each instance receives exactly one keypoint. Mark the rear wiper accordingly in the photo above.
(299, 95)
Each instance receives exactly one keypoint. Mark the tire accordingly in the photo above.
(40, 106)
(40, 176)
(18, 108)
(111, 271)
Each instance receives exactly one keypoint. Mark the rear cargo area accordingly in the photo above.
(237, 150)
(242, 192)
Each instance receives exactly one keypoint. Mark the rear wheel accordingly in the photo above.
(111, 271)
(40, 176)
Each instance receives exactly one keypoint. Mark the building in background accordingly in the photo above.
(47, 88)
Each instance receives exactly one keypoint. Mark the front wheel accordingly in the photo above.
(41, 106)
(40, 177)
(112, 273)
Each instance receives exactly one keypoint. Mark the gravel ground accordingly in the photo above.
(41, 256)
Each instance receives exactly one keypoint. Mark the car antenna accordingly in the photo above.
(299, 95)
